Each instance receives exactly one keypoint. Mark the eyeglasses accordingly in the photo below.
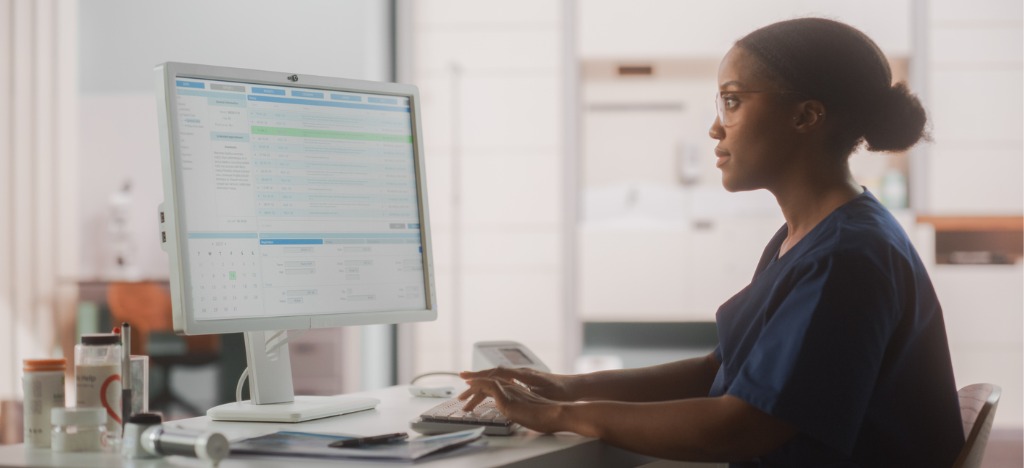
(727, 103)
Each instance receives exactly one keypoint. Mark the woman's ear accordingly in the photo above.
(810, 115)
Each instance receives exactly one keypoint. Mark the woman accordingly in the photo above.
(836, 353)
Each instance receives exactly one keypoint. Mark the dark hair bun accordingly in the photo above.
(898, 122)
(843, 68)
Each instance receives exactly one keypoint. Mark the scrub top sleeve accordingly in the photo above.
(817, 359)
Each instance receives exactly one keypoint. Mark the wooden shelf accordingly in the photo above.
(974, 223)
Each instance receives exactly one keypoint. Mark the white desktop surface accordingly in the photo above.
(396, 409)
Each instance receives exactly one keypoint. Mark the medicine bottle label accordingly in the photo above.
(43, 391)
(99, 386)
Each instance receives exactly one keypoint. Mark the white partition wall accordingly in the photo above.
(491, 81)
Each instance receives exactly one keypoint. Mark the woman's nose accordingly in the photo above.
(716, 132)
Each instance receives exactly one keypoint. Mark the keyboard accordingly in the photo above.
(449, 417)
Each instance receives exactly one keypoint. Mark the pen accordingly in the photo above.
(370, 440)
(126, 373)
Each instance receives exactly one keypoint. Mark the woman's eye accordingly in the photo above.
(730, 101)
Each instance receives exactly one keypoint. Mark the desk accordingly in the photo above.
(396, 409)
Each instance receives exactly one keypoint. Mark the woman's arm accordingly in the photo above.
(688, 378)
(698, 429)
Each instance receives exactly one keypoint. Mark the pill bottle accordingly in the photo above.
(78, 429)
(98, 378)
(43, 383)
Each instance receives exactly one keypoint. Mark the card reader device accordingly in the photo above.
(491, 354)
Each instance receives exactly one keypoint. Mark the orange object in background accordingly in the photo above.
(146, 306)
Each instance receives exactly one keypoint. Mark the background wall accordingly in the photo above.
(120, 41)
(79, 123)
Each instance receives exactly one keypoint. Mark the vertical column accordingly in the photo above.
(32, 122)
(8, 371)
(43, 180)
(23, 206)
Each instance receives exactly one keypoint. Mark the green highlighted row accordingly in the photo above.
(308, 133)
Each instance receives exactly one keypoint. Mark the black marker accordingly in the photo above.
(126, 373)
(371, 440)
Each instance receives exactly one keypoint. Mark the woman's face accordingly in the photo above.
(756, 142)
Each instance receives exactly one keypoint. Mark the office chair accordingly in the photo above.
(977, 409)
(147, 307)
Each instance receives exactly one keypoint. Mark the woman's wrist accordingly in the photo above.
(573, 416)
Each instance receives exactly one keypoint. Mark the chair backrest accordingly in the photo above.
(977, 409)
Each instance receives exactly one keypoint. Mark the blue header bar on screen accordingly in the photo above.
(308, 94)
(189, 84)
(270, 91)
(346, 97)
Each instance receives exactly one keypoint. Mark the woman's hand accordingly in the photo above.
(517, 404)
(551, 386)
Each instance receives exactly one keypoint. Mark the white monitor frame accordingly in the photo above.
(267, 370)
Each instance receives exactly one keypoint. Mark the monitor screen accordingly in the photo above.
(295, 201)
(290, 202)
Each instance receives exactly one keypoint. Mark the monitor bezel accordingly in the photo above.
(175, 242)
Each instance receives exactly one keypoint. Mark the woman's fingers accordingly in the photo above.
(474, 401)
(479, 390)
(527, 376)
(500, 373)
(515, 402)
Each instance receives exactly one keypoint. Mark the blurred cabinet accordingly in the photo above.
(983, 305)
(974, 86)
(667, 273)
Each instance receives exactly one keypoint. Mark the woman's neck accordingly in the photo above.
(805, 205)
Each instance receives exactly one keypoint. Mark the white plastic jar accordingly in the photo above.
(78, 429)
(98, 378)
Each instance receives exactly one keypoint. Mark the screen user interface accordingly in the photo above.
(297, 201)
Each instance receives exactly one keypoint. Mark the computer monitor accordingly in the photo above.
(290, 202)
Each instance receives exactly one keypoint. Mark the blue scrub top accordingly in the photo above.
(843, 338)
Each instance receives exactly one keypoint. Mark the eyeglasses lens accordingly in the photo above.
(720, 108)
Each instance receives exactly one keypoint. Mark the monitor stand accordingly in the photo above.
(273, 396)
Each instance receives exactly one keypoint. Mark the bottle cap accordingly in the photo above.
(78, 416)
(101, 339)
(41, 365)
(145, 419)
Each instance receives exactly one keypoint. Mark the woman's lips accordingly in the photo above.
(722, 156)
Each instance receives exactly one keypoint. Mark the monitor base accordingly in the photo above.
(304, 408)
